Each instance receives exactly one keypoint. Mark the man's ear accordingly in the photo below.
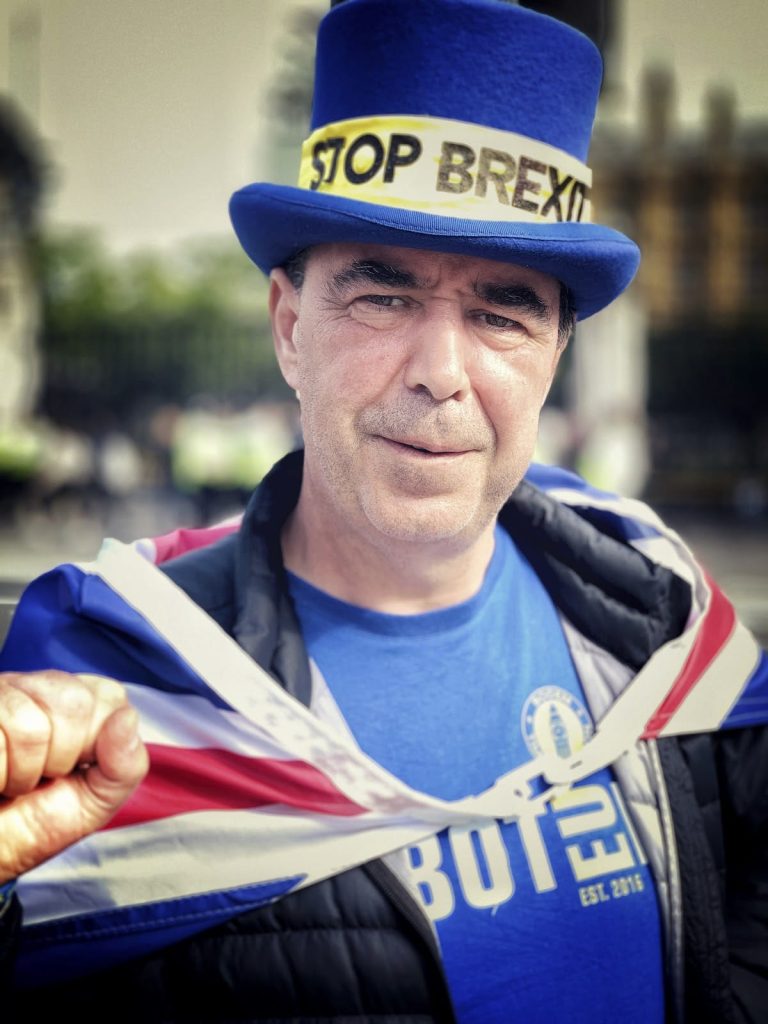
(284, 314)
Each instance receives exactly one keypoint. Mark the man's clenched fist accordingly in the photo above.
(70, 755)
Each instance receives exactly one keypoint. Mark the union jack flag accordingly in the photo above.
(250, 795)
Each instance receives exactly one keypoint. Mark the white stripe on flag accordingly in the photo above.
(206, 851)
(707, 704)
(192, 722)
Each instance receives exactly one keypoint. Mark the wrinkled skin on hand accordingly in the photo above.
(70, 756)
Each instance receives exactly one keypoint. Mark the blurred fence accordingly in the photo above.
(708, 416)
(103, 372)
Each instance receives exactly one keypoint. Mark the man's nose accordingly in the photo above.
(437, 360)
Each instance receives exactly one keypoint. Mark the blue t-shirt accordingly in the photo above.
(553, 917)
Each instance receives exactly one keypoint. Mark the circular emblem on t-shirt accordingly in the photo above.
(555, 721)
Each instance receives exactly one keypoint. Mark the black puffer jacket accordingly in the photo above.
(356, 948)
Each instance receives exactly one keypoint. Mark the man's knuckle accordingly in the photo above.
(106, 690)
(24, 722)
(74, 701)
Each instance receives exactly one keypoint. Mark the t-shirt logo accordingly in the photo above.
(555, 721)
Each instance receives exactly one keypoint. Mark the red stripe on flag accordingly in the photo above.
(178, 542)
(719, 623)
(181, 780)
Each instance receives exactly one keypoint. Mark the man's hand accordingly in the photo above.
(70, 755)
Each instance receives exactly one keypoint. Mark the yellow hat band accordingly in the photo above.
(445, 167)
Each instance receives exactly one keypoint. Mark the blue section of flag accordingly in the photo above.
(75, 622)
(76, 946)
(550, 477)
(752, 706)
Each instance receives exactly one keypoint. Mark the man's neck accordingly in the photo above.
(397, 577)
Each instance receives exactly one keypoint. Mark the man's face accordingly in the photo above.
(421, 377)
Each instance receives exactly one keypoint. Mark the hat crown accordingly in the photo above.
(487, 62)
(453, 126)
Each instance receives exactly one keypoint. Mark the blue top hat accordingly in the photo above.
(457, 126)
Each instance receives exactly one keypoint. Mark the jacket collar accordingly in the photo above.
(611, 592)
(265, 624)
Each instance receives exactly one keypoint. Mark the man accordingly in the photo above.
(424, 279)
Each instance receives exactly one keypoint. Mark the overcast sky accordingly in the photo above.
(153, 109)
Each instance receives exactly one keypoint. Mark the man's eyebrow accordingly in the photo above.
(514, 296)
(384, 275)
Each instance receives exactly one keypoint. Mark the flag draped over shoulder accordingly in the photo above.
(249, 796)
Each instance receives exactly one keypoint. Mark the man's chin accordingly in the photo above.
(428, 520)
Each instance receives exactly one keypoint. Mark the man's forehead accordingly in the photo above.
(423, 267)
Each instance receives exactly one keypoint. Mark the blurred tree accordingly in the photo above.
(78, 282)
(122, 335)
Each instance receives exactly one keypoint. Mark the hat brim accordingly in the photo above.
(595, 262)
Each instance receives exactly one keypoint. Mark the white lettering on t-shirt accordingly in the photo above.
(481, 857)
(535, 852)
(434, 885)
(466, 856)
(598, 860)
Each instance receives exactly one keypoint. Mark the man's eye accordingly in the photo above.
(383, 301)
(503, 323)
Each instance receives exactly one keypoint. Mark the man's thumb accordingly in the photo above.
(121, 760)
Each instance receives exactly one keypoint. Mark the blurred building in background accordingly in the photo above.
(21, 187)
(666, 389)
(697, 203)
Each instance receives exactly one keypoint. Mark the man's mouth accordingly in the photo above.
(425, 447)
